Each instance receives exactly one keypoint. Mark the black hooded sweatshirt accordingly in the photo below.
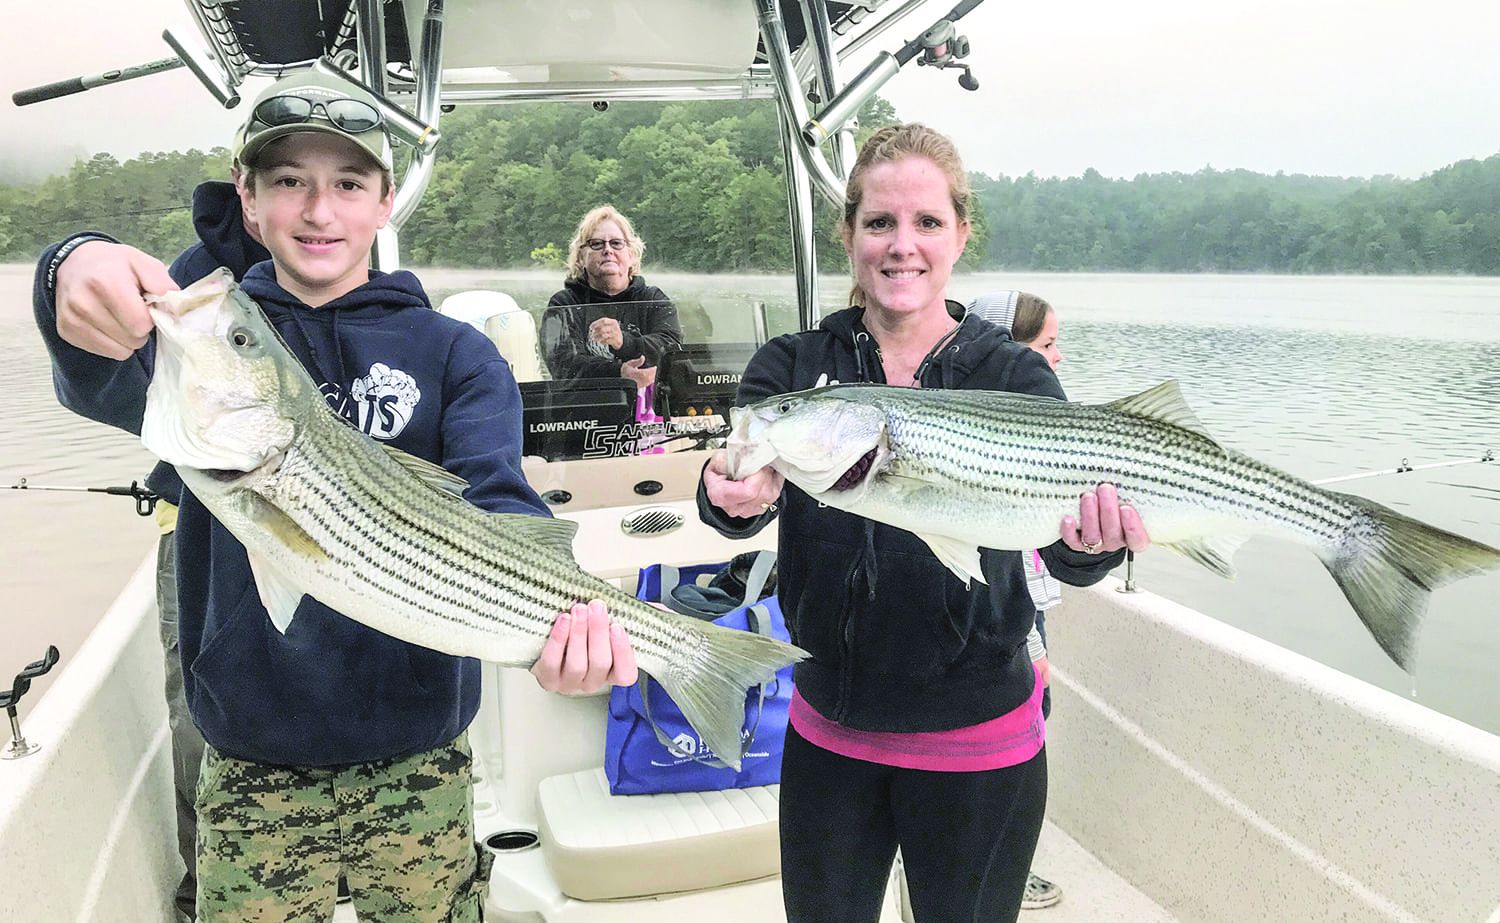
(648, 327)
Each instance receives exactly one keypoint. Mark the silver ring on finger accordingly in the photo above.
(1093, 547)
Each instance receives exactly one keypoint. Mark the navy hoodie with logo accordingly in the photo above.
(330, 692)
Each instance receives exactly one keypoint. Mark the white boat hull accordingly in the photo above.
(1231, 779)
(87, 823)
(1206, 774)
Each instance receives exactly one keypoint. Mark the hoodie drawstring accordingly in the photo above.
(937, 348)
(312, 348)
(865, 566)
(863, 372)
(949, 355)
(338, 349)
(870, 562)
(312, 345)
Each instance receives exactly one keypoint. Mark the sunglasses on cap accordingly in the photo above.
(614, 243)
(348, 115)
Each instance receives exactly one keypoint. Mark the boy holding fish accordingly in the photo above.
(333, 749)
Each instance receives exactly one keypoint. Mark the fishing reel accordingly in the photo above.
(942, 46)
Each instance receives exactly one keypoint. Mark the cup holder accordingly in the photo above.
(510, 841)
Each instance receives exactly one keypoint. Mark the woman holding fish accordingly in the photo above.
(917, 721)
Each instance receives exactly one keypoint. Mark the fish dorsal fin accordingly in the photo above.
(435, 476)
(957, 555)
(277, 594)
(1164, 403)
(556, 535)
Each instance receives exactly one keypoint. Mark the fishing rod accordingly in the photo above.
(214, 76)
(73, 85)
(145, 498)
(1406, 466)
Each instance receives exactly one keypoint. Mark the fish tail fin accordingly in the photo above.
(1389, 564)
(711, 691)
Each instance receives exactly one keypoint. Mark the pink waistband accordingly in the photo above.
(1009, 740)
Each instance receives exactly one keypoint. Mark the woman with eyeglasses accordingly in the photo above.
(607, 322)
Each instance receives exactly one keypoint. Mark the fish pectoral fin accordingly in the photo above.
(556, 535)
(957, 555)
(270, 517)
(904, 486)
(435, 476)
(278, 596)
(1166, 404)
(1215, 553)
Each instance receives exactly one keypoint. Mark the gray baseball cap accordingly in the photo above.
(310, 101)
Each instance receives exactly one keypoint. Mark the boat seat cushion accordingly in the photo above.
(604, 847)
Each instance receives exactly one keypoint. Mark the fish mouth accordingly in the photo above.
(746, 453)
(857, 472)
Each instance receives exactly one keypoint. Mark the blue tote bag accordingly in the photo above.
(649, 747)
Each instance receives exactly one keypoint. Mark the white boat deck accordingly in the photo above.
(1091, 893)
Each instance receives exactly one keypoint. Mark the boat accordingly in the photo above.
(1202, 774)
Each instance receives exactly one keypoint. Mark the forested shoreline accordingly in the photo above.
(703, 182)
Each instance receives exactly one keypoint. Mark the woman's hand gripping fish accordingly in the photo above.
(971, 469)
(386, 538)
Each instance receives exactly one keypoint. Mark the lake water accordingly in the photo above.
(1322, 376)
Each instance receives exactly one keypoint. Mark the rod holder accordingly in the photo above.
(219, 82)
(855, 93)
(403, 126)
(19, 746)
(1130, 584)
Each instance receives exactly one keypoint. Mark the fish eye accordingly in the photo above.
(241, 337)
(786, 406)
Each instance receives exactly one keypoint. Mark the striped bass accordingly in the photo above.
(386, 538)
(971, 469)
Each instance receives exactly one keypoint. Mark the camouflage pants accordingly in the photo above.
(273, 840)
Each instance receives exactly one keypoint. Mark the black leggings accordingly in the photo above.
(966, 838)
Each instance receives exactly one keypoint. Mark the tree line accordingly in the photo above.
(1448, 222)
(703, 184)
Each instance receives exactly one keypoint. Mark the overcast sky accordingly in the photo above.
(1302, 86)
